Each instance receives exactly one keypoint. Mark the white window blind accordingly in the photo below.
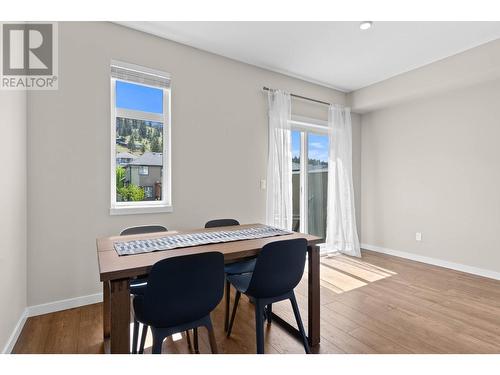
(127, 73)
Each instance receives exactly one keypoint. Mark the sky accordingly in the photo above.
(317, 145)
(138, 97)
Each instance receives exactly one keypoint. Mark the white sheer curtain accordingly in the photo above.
(279, 165)
(341, 230)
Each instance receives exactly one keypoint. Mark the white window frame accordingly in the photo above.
(143, 207)
(141, 167)
(305, 125)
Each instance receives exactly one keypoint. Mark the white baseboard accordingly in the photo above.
(15, 333)
(436, 262)
(64, 304)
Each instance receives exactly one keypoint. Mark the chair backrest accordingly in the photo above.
(221, 223)
(279, 268)
(142, 229)
(183, 289)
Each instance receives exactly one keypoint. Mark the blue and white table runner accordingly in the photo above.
(195, 239)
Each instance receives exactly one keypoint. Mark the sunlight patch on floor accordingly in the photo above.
(340, 273)
(176, 337)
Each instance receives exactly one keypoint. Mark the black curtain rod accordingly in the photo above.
(301, 97)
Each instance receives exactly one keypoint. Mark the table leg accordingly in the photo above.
(313, 300)
(120, 316)
(106, 311)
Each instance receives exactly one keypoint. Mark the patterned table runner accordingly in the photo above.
(195, 239)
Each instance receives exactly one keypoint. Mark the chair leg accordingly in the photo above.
(188, 338)
(195, 335)
(211, 338)
(269, 312)
(157, 342)
(135, 336)
(259, 326)
(236, 300)
(143, 338)
(296, 312)
(228, 301)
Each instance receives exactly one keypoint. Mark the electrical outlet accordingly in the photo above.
(418, 236)
(262, 184)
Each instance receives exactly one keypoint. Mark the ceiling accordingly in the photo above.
(333, 54)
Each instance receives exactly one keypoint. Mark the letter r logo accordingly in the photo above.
(27, 49)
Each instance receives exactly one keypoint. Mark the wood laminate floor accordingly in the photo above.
(379, 304)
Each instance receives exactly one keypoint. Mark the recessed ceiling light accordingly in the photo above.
(365, 25)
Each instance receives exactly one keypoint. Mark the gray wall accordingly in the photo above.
(219, 145)
(13, 225)
(477, 65)
(432, 165)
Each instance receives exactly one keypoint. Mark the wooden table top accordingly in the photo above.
(112, 266)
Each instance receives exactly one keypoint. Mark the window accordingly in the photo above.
(140, 134)
(148, 192)
(310, 146)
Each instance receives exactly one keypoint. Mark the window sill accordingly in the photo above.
(129, 210)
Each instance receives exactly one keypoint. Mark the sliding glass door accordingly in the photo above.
(309, 180)
(297, 225)
(317, 180)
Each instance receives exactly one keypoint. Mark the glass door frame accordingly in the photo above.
(305, 125)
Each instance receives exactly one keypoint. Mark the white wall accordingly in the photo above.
(13, 223)
(219, 148)
(431, 165)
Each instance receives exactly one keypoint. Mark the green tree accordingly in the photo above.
(122, 194)
(119, 126)
(136, 193)
(155, 145)
(143, 130)
(120, 177)
(131, 193)
(131, 143)
(127, 129)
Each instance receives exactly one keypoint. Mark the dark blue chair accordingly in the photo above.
(278, 270)
(236, 268)
(180, 295)
(221, 223)
(143, 229)
(138, 285)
